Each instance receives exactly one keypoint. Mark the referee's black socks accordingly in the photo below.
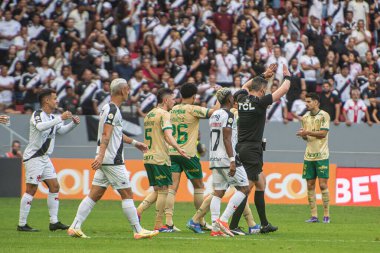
(237, 214)
(260, 207)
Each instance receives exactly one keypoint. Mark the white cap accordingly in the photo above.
(107, 5)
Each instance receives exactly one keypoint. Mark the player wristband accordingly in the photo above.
(232, 159)
(134, 142)
(287, 78)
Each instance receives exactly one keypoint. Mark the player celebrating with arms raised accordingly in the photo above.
(109, 165)
(315, 129)
(38, 167)
(158, 129)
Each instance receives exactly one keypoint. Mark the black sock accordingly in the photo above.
(260, 207)
(237, 214)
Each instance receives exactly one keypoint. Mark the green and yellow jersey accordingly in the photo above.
(316, 149)
(155, 123)
(185, 120)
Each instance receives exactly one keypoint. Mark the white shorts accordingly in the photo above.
(221, 180)
(38, 169)
(115, 175)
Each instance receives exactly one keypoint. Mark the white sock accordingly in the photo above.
(84, 210)
(53, 205)
(234, 202)
(25, 204)
(215, 211)
(130, 212)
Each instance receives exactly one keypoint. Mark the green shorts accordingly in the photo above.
(191, 167)
(313, 169)
(159, 175)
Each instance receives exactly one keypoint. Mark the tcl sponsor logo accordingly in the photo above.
(358, 186)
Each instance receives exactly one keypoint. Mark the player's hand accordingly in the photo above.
(285, 121)
(302, 133)
(142, 147)
(183, 153)
(285, 70)
(232, 171)
(336, 122)
(269, 72)
(4, 119)
(370, 123)
(97, 163)
(66, 115)
(76, 119)
(348, 123)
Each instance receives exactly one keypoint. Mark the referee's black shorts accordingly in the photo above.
(250, 155)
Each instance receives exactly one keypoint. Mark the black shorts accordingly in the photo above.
(250, 154)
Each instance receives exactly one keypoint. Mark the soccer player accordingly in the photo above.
(38, 167)
(185, 119)
(315, 129)
(252, 106)
(225, 171)
(158, 133)
(109, 165)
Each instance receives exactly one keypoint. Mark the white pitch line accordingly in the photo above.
(239, 238)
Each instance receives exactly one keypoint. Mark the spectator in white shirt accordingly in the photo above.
(343, 83)
(278, 59)
(299, 106)
(354, 110)
(46, 73)
(360, 9)
(310, 66)
(278, 111)
(269, 20)
(294, 48)
(9, 29)
(6, 88)
(225, 65)
(362, 39)
(35, 28)
(81, 17)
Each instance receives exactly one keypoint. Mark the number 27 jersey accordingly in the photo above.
(220, 119)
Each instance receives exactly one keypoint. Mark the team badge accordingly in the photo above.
(110, 116)
(230, 120)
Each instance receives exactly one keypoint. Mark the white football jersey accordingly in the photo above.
(111, 115)
(42, 130)
(220, 119)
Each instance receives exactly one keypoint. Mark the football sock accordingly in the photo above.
(325, 200)
(130, 212)
(204, 209)
(215, 211)
(169, 207)
(84, 210)
(198, 200)
(237, 214)
(247, 213)
(312, 202)
(232, 205)
(25, 204)
(53, 205)
(147, 202)
(160, 207)
(260, 207)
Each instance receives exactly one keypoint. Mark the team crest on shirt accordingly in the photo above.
(230, 120)
(38, 117)
(110, 116)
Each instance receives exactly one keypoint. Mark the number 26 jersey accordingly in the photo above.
(220, 119)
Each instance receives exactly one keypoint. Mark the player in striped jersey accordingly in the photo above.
(109, 165)
(38, 167)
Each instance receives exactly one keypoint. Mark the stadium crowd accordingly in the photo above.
(77, 47)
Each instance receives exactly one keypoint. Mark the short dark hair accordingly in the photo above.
(161, 93)
(45, 93)
(16, 142)
(313, 96)
(188, 90)
(258, 83)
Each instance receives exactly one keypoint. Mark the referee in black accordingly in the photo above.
(252, 107)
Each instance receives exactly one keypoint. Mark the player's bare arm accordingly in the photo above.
(227, 135)
(318, 134)
(172, 142)
(139, 145)
(106, 136)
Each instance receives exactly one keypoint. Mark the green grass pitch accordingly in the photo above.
(353, 229)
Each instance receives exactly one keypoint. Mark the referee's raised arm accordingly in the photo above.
(283, 89)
